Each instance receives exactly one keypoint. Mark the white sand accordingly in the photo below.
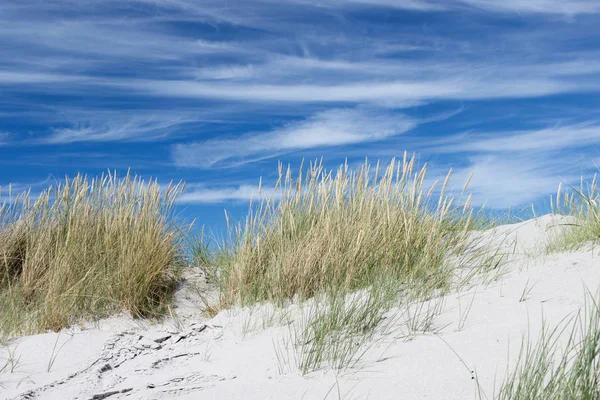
(220, 359)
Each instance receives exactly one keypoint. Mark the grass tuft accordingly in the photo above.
(87, 248)
(543, 371)
(341, 230)
(328, 234)
(583, 205)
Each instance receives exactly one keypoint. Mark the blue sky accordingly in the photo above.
(217, 92)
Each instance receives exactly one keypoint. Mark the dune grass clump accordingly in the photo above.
(84, 249)
(333, 233)
(547, 370)
(583, 204)
(344, 230)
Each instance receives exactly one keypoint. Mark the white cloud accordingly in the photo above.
(399, 93)
(566, 7)
(335, 82)
(220, 12)
(243, 193)
(510, 180)
(120, 39)
(418, 5)
(514, 168)
(144, 128)
(73, 54)
(403, 83)
(29, 77)
(540, 140)
(226, 72)
(329, 128)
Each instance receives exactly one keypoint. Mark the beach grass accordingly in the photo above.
(84, 249)
(341, 229)
(328, 234)
(563, 364)
(583, 204)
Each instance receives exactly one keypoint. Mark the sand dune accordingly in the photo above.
(246, 354)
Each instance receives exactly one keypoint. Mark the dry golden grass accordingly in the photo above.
(347, 229)
(84, 249)
(327, 234)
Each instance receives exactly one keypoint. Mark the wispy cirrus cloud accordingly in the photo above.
(518, 167)
(424, 85)
(200, 194)
(218, 11)
(137, 129)
(101, 42)
(565, 7)
(32, 77)
(335, 127)
(359, 82)
(546, 139)
(518, 179)
(93, 50)
(396, 93)
(286, 79)
(417, 5)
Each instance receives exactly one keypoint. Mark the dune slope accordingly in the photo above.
(473, 338)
